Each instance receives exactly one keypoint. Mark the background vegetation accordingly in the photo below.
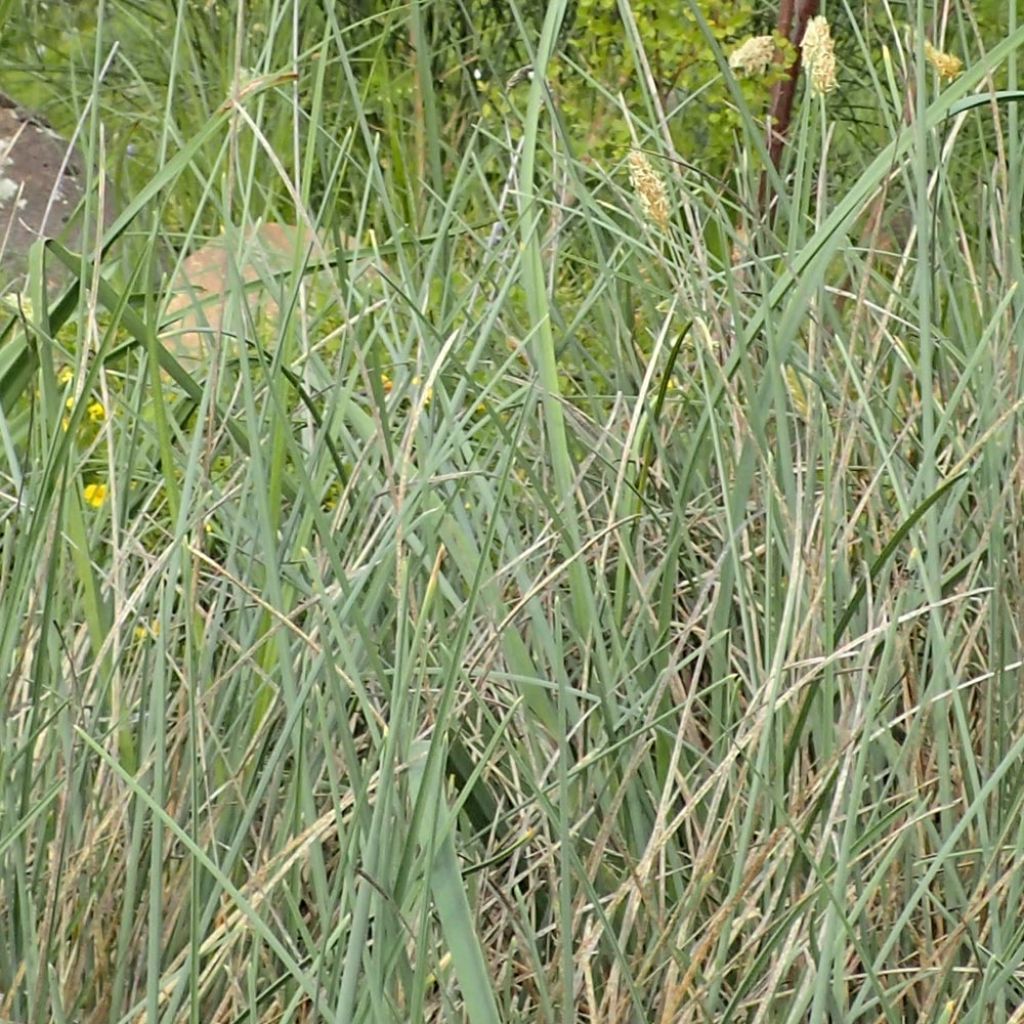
(595, 596)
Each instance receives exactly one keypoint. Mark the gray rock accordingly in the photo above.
(42, 183)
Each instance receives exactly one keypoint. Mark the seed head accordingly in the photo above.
(945, 64)
(819, 55)
(754, 57)
(649, 188)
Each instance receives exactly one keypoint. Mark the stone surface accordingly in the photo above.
(204, 308)
(232, 286)
(42, 183)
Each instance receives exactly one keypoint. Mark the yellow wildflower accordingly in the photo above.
(416, 382)
(649, 188)
(96, 412)
(144, 632)
(945, 64)
(754, 57)
(66, 375)
(819, 55)
(95, 494)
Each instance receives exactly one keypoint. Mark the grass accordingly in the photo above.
(550, 616)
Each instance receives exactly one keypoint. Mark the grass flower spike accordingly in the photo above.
(754, 57)
(649, 188)
(819, 56)
(945, 64)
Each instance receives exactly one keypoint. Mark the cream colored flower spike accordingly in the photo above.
(819, 56)
(754, 57)
(649, 189)
(946, 64)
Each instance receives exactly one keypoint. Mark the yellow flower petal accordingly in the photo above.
(95, 494)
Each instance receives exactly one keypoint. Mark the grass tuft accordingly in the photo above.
(587, 596)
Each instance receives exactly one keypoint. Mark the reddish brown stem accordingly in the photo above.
(791, 25)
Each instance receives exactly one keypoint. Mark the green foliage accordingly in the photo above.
(612, 621)
(602, 88)
(683, 65)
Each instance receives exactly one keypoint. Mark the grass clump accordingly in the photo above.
(604, 608)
